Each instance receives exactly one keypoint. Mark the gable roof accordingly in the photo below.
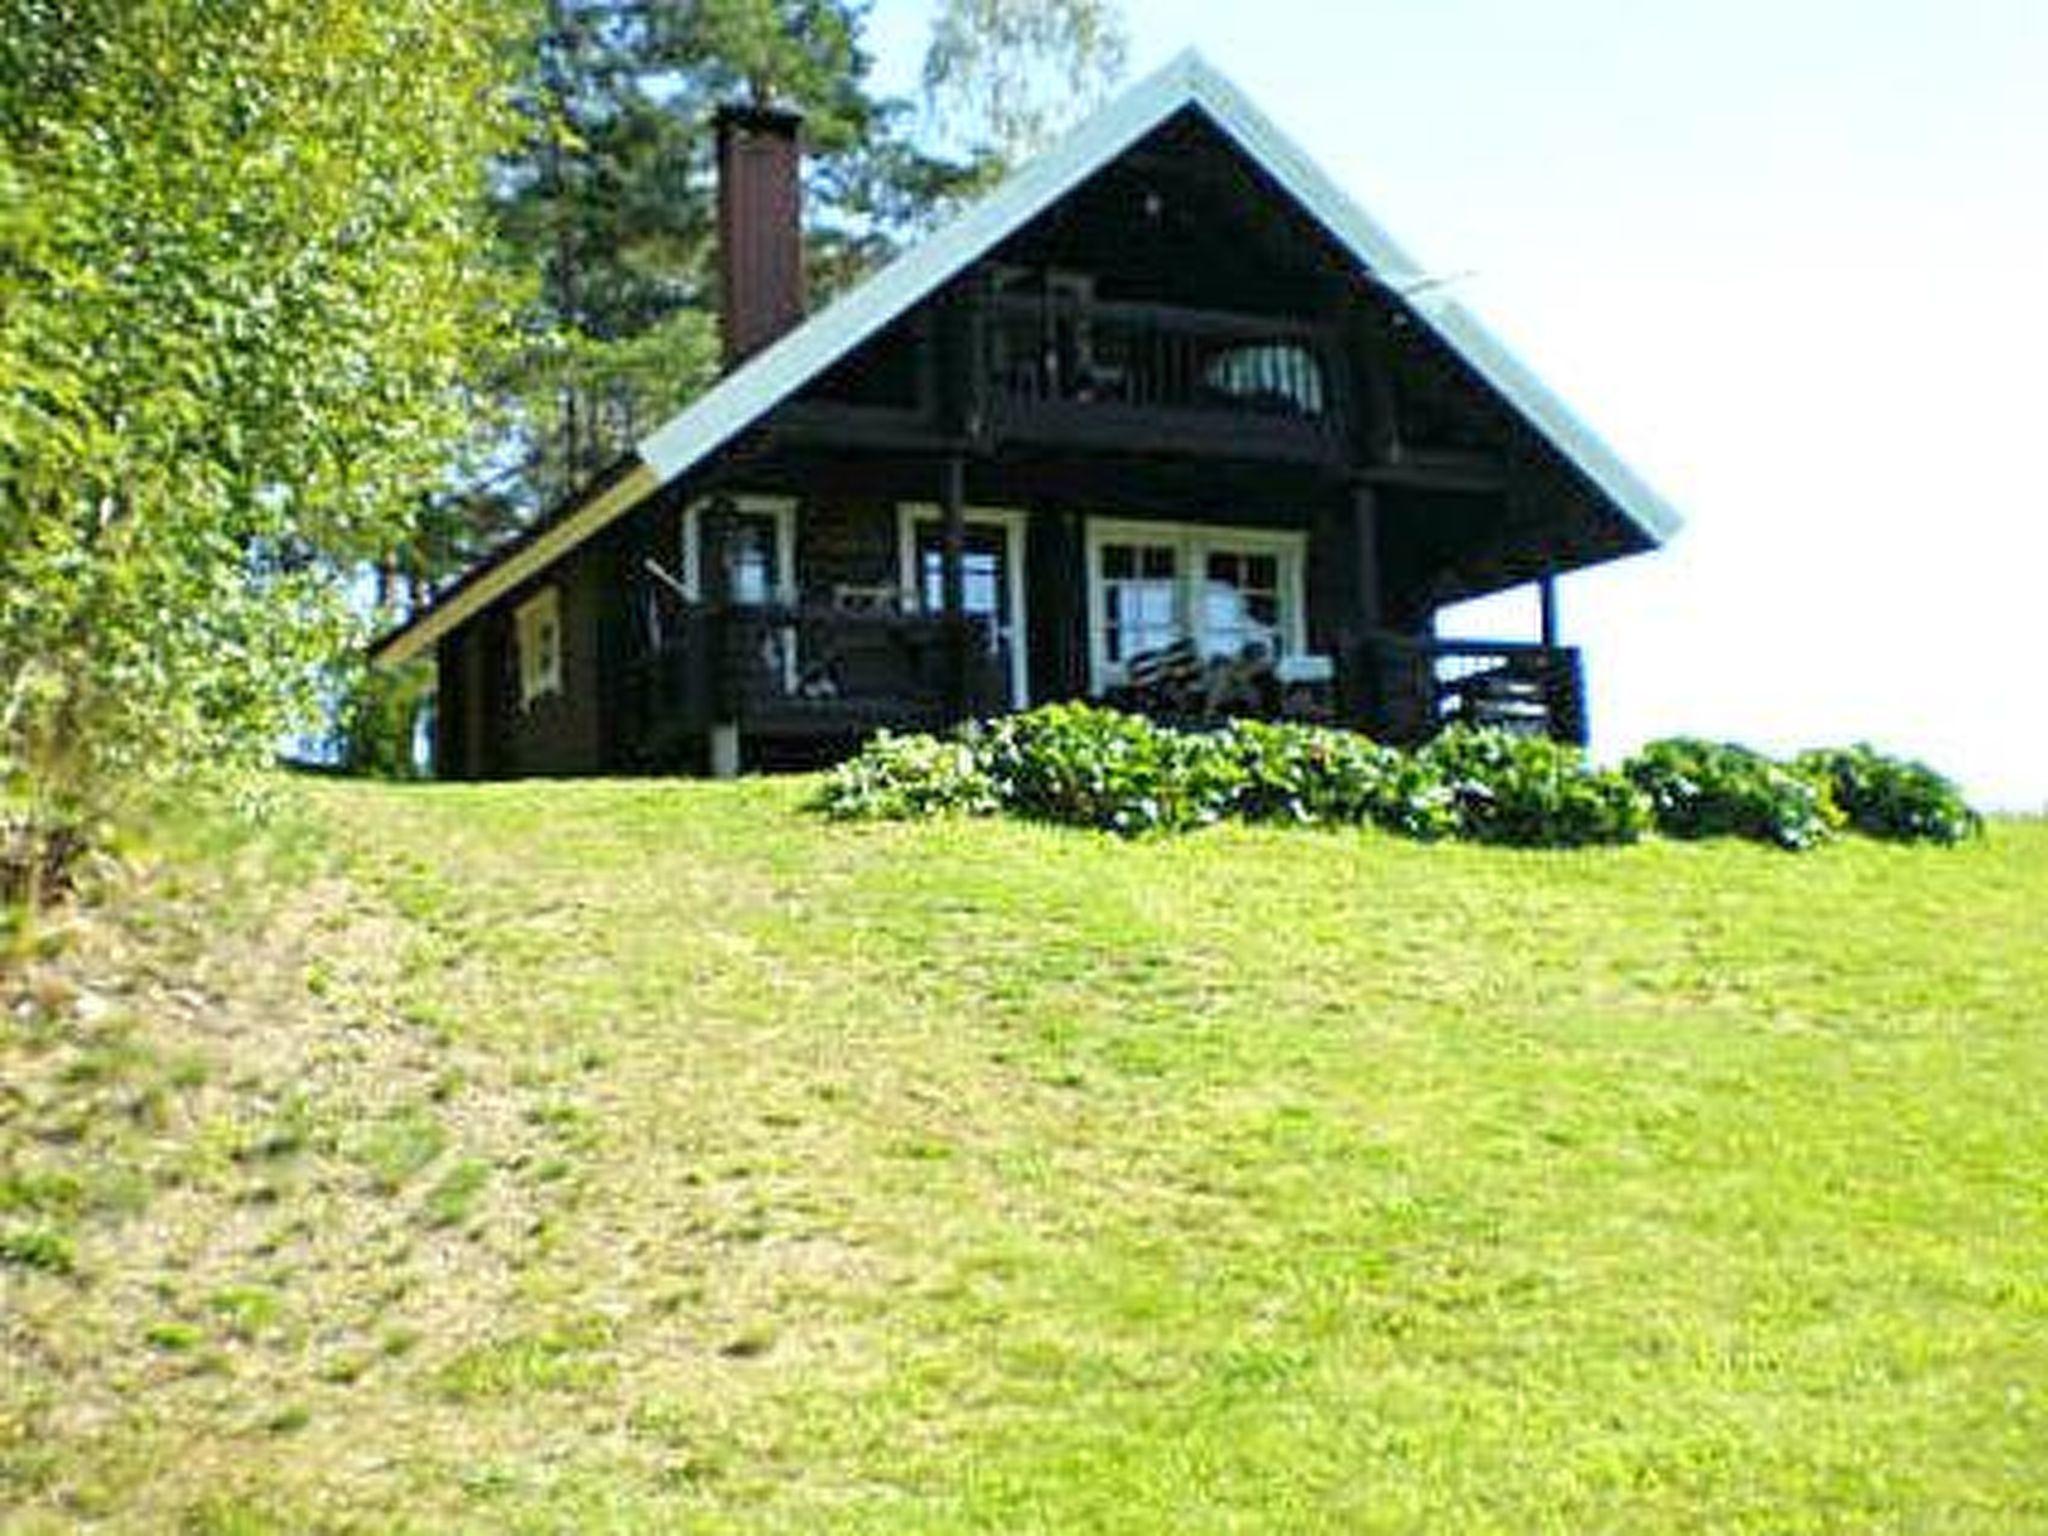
(772, 375)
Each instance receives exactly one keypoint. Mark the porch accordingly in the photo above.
(790, 683)
(805, 680)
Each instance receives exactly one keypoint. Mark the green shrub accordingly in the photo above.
(1715, 789)
(1296, 773)
(1306, 773)
(1891, 797)
(1085, 766)
(1532, 792)
(899, 777)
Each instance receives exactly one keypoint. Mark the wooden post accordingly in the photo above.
(953, 557)
(953, 581)
(1546, 592)
(725, 750)
(1364, 679)
(1369, 613)
(715, 529)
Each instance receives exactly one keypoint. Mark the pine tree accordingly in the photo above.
(611, 202)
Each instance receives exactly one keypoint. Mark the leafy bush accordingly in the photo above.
(1306, 773)
(1532, 792)
(1890, 797)
(1093, 767)
(1083, 765)
(896, 778)
(1716, 789)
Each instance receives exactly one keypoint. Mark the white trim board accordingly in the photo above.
(779, 370)
(1013, 523)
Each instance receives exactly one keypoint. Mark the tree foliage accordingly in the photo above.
(244, 288)
(610, 201)
(1003, 76)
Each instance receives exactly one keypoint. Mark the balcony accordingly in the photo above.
(1154, 378)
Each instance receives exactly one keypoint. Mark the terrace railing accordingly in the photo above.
(1405, 690)
(807, 670)
(1061, 367)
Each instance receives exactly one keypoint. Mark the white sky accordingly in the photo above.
(1790, 257)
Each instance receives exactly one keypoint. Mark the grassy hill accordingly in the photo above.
(655, 1156)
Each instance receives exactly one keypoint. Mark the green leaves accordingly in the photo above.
(1006, 75)
(1086, 766)
(1717, 789)
(1891, 797)
(241, 286)
(1082, 765)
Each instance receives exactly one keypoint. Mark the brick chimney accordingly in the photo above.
(760, 227)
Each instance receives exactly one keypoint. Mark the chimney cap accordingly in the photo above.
(752, 117)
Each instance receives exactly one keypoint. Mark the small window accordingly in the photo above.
(539, 624)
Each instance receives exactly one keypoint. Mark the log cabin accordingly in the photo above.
(1165, 419)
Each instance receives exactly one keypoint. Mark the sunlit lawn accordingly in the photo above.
(658, 1157)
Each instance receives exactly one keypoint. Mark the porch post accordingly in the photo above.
(953, 582)
(1369, 614)
(1366, 677)
(1546, 592)
(722, 743)
(953, 579)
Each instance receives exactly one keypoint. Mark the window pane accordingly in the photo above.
(1240, 603)
(750, 559)
(981, 590)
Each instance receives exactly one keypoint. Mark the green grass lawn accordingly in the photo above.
(656, 1157)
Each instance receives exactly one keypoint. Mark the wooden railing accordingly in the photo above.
(1062, 366)
(795, 670)
(1404, 691)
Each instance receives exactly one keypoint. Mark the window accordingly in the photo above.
(538, 626)
(1141, 608)
(1227, 590)
(756, 560)
(992, 572)
(750, 558)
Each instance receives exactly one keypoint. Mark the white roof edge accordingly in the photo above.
(778, 371)
(1395, 270)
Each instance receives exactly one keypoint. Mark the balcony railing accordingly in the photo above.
(807, 671)
(1404, 690)
(1072, 369)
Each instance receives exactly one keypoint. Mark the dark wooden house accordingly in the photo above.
(1165, 419)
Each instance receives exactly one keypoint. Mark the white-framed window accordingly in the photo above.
(1229, 590)
(759, 552)
(992, 571)
(537, 626)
